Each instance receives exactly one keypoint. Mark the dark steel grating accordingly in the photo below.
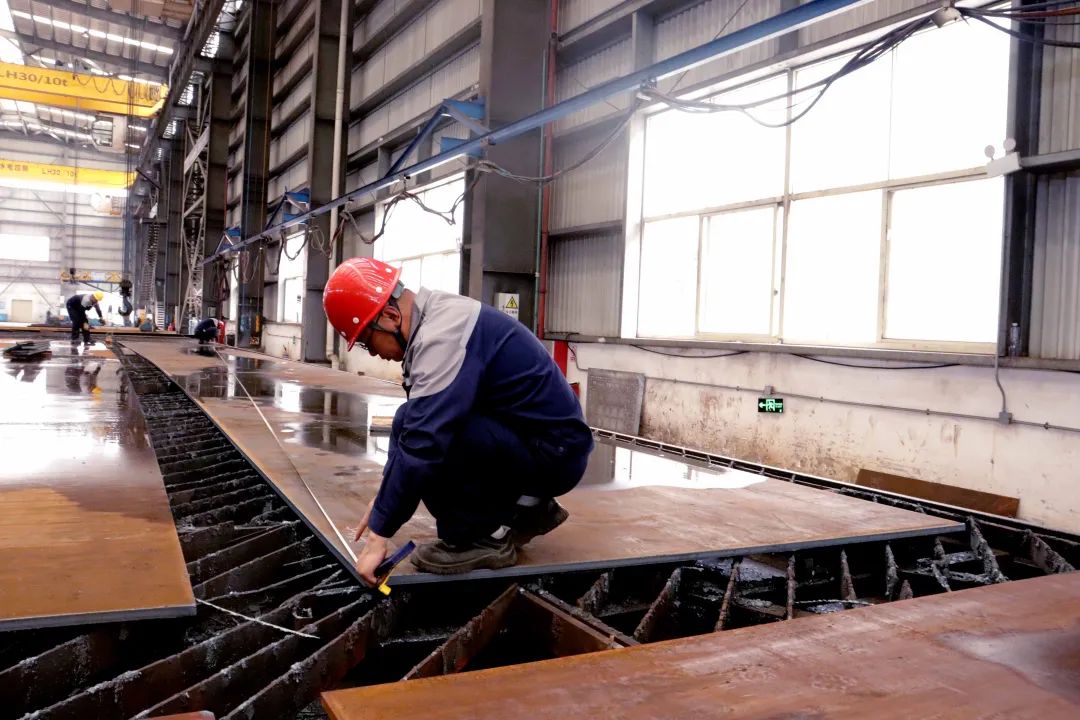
(249, 553)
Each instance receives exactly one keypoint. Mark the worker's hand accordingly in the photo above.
(373, 553)
(364, 521)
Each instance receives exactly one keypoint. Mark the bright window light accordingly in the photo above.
(834, 246)
(944, 265)
(699, 160)
(968, 110)
(425, 246)
(892, 235)
(669, 250)
(737, 260)
(844, 140)
(25, 248)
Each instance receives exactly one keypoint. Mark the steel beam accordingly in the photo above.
(185, 59)
(801, 16)
(135, 22)
(113, 63)
(326, 157)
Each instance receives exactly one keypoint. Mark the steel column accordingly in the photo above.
(257, 109)
(501, 230)
(1018, 252)
(217, 181)
(321, 166)
(170, 269)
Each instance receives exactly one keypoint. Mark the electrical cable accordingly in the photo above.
(277, 265)
(402, 195)
(689, 357)
(719, 32)
(293, 258)
(1030, 8)
(488, 166)
(1001, 388)
(966, 12)
(253, 264)
(867, 54)
(934, 366)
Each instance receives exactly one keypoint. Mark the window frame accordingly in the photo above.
(457, 250)
(283, 279)
(636, 220)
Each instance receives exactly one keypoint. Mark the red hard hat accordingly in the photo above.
(356, 293)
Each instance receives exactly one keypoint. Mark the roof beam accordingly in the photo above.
(185, 60)
(45, 137)
(120, 18)
(109, 62)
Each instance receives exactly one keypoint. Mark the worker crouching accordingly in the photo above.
(207, 330)
(490, 434)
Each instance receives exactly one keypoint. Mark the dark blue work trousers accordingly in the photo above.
(79, 321)
(488, 467)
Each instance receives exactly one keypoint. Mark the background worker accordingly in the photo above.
(490, 434)
(77, 307)
(206, 331)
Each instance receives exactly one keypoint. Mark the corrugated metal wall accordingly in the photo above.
(453, 77)
(858, 17)
(1055, 312)
(412, 44)
(609, 63)
(699, 24)
(573, 13)
(585, 266)
(291, 138)
(594, 193)
(1059, 116)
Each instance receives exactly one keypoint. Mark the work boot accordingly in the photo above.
(443, 558)
(534, 520)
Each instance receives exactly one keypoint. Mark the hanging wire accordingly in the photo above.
(284, 241)
(867, 54)
(985, 18)
(488, 166)
(719, 32)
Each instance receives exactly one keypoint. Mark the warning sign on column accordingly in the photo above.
(508, 303)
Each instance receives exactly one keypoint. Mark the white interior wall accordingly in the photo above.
(281, 340)
(80, 236)
(685, 405)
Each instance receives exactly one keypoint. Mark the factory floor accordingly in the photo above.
(663, 546)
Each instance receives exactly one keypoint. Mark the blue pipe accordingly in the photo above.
(785, 22)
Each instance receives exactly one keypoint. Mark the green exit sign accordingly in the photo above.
(770, 405)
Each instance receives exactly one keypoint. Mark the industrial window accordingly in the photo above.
(291, 271)
(27, 248)
(868, 222)
(424, 244)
